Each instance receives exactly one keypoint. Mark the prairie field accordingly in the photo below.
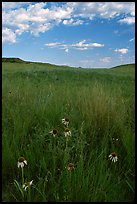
(100, 106)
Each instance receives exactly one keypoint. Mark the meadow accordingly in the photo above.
(100, 104)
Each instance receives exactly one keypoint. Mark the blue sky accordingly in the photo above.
(79, 34)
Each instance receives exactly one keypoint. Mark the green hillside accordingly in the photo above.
(121, 68)
(124, 67)
(100, 105)
(127, 68)
(13, 60)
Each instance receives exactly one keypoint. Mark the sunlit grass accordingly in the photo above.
(99, 105)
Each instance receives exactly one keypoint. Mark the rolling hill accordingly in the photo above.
(123, 68)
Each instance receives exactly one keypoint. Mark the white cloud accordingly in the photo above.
(61, 12)
(68, 22)
(22, 28)
(128, 20)
(122, 50)
(79, 46)
(13, 5)
(106, 59)
(33, 18)
(73, 22)
(37, 17)
(8, 36)
(67, 50)
(102, 9)
(86, 45)
(36, 29)
(132, 39)
(97, 45)
(53, 44)
(78, 22)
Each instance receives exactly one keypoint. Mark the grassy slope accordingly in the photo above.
(100, 105)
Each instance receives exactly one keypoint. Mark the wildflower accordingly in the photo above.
(113, 156)
(67, 132)
(21, 162)
(65, 121)
(115, 139)
(27, 184)
(54, 132)
(70, 166)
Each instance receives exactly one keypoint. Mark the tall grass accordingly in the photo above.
(100, 106)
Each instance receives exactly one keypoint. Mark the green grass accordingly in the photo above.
(100, 106)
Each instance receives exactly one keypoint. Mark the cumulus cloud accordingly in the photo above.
(13, 5)
(122, 50)
(38, 17)
(73, 22)
(102, 9)
(68, 22)
(128, 20)
(78, 22)
(8, 36)
(33, 18)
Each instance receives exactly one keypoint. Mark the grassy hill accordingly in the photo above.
(13, 60)
(100, 104)
(18, 60)
(125, 66)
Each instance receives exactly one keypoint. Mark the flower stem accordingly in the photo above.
(22, 176)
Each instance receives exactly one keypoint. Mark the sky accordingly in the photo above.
(76, 34)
